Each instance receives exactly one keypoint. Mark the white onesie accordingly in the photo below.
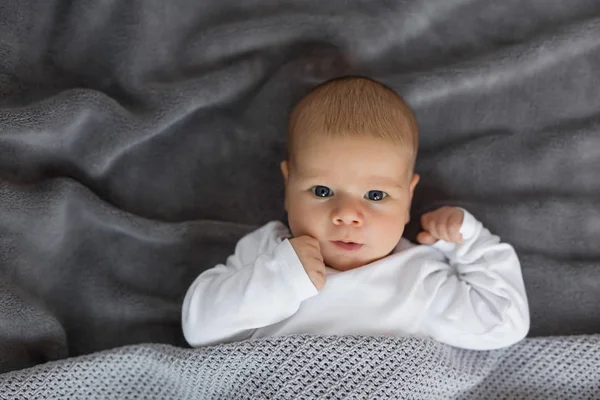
(469, 295)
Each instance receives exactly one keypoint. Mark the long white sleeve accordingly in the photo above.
(261, 284)
(479, 301)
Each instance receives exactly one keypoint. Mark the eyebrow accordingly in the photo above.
(381, 181)
(373, 180)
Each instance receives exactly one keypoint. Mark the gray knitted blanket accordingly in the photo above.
(311, 367)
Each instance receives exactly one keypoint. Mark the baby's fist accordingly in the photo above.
(308, 251)
(441, 224)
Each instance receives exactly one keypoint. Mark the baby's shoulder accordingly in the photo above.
(265, 238)
(275, 229)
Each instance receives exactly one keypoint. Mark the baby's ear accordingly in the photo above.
(413, 184)
(286, 173)
(285, 170)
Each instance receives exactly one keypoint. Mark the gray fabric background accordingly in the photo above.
(140, 139)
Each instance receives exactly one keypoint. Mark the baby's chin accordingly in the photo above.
(348, 263)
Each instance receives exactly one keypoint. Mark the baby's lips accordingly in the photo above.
(347, 245)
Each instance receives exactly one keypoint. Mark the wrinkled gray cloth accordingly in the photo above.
(139, 140)
(311, 367)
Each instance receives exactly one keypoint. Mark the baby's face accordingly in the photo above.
(352, 194)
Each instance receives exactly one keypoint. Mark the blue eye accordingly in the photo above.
(375, 195)
(322, 191)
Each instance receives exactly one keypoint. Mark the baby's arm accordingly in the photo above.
(261, 284)
(479, 302)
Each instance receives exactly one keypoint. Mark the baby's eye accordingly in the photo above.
(375, 195)
(322, 191)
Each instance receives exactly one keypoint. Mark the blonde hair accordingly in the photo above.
(354, 106)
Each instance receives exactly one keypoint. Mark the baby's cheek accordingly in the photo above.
(301, 220)
(296, 226)
(390, 230)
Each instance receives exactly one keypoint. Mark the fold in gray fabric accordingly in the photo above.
(139, 140)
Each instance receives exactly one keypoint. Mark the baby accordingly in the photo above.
(345, 268)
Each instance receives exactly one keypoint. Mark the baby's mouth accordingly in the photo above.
(348, 246)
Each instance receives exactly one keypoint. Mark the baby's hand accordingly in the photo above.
(441, 224)
(309, 252)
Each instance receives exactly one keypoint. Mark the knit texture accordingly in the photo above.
(328, 367)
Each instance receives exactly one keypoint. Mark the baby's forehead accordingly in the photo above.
(352, 157)
(310, 141)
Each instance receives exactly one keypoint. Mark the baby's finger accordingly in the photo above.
(442, 229)
(433, 228)
(426, 238)
(455, 234)
(318, 280)
(426, 221)
(454, 225)
(312, 242)
(317, 255)
(322, 269)
(319, 268)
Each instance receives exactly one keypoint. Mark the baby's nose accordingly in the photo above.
(348, 221)
(348, 215)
